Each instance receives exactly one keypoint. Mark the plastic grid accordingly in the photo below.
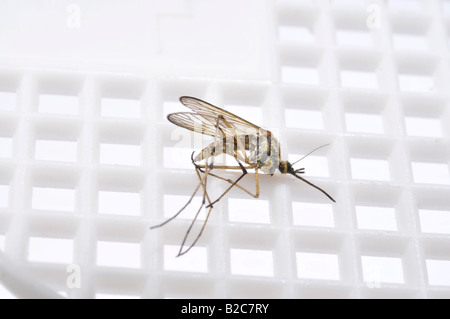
(80, 184)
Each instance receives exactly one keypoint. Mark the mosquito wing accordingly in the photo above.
(195, 122)
(204, 119)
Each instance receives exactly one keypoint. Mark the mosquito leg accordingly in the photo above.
(203, 182)
(256, 184)
(230, 181)
(195, 164)
(179, 212)
(181, 252)
(244, 172)
(203, 185)
(199, 168)
(208, 166)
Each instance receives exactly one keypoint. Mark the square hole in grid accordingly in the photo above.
(53, 199)
(446, 6)
(179, 286)
(364, 123)
(246, 100)
(360, 79)
(120, 154)
(296, 33)
(302, 66)
(448, 32)
(317, 266)
(297, 24)
(359, 69)
(6, 147)
(119, 203)
(59, 104)
(173, 203)
(323, 290)
(431, 173)
(370, 169)
(121, 108)
(349, 3)
(425, 127)
(306, 75)
(250, 262)
(178, 157)
(304, 107)
(434, 221)
(416, 82)
(376, 218)
(354, 37)
(171, 91)
(4, 196)
(55, 138)
(242, 288)
(364, 112)
(115, 296)
(249, 210)
(420, 73)
(377, 270)
(2, 242)
(118, 254)
(404, 41)
(52, 150)
(438, 272)
(305, 119)
(252, 113)
(406, 5)
(171, 107)
(116, 283)
(351, 27)
(411, 32)
(50, 250)
(313, 214)
(8, 101)
(195, 261)
(314, 165)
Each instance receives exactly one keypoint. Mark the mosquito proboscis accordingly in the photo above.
(252, 147)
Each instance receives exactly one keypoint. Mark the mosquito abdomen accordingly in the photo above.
(227, 145)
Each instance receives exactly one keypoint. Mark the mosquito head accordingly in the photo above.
(286, 168)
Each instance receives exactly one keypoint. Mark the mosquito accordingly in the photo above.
(252, 147)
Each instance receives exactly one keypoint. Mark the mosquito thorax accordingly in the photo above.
(265, 152)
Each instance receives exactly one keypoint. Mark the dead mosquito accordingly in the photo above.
(257, 148)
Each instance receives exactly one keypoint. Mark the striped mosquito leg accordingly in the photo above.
(179, 212)
(244, 172)
(181, 252)
(205, 194)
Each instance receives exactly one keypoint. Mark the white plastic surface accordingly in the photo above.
(88, 161)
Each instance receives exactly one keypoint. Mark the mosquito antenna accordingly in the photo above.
(315, 186)
(318, 148)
